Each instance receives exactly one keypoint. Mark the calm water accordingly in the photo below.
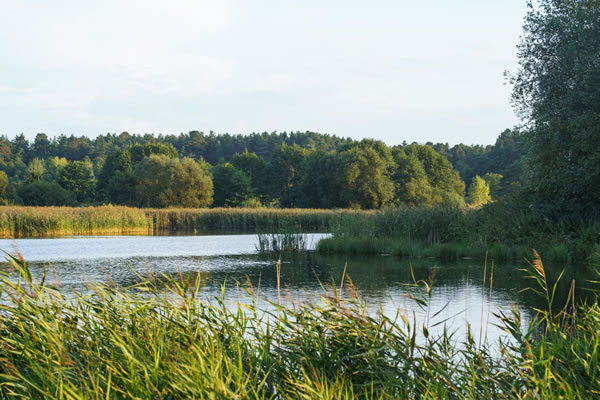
(233, 259)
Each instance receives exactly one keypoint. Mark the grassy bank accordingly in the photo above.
(498, 231)
(145, 342)
(50, 221)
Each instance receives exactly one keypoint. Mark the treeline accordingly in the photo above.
(307, 170)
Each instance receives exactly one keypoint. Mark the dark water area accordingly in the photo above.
(383, 283)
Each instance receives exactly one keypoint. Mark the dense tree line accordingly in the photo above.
(556, 90)
(278, 169)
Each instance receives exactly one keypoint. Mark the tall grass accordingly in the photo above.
(18, 221)
(503, 233)
(47, 221)
(269, 242)
(244, 219)
(160, 341)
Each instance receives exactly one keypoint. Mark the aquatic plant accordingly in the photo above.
(160, 341)
(16, 221)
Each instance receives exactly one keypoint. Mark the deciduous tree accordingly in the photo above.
(557, 93)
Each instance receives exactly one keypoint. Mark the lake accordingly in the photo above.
(382, 282)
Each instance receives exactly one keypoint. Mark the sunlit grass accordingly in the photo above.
(159, 341)
(16, 221)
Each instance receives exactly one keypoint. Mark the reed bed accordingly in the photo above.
(245, 219)
(18, 221)
(499, 232)
(277, 242)
(160, 341)
(443, 233)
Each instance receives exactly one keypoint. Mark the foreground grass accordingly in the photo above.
(159, 341)
(17, 221)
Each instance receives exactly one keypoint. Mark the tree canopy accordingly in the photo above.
(557, 93)
(299, 169)
(479, 192)
(161, 181)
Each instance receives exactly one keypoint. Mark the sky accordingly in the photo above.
(390, 70)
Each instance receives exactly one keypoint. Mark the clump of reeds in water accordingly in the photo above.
(160, 341)
(276, 242)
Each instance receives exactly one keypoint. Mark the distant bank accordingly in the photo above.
(18, 221)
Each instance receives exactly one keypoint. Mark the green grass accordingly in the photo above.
(157, 340)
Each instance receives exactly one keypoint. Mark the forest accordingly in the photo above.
(299, 169)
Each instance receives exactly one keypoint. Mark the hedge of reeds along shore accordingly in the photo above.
(146, 342)
(500, 232)
(16, 221)
(246, 219)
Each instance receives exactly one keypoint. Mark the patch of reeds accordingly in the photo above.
(160, 341)
(453, 233)
(16, 221)
(243, 219)
(428, 225)
(277, 242)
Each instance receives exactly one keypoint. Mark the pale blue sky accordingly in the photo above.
(391, 70)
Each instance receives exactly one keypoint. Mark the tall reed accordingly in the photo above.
(18, 221)
(160, 341)
(46, 221)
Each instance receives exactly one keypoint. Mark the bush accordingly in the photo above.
(46, 194)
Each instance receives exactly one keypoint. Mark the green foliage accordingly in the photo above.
(255, 167)
(115, 181)
(162, 181)
(494, 181)
(3, 182)
(120, 188)
(35, 170)
(231, 186)
(367, 175)
(78, 177)
(479, 192)
(42, 193)
(284, 175)
(323, 181)
(54, 167)
(557, 92)
(252, 202)
(285, 169)
(138, 152)
(425, 177)
(478, 160)
(42, 146)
